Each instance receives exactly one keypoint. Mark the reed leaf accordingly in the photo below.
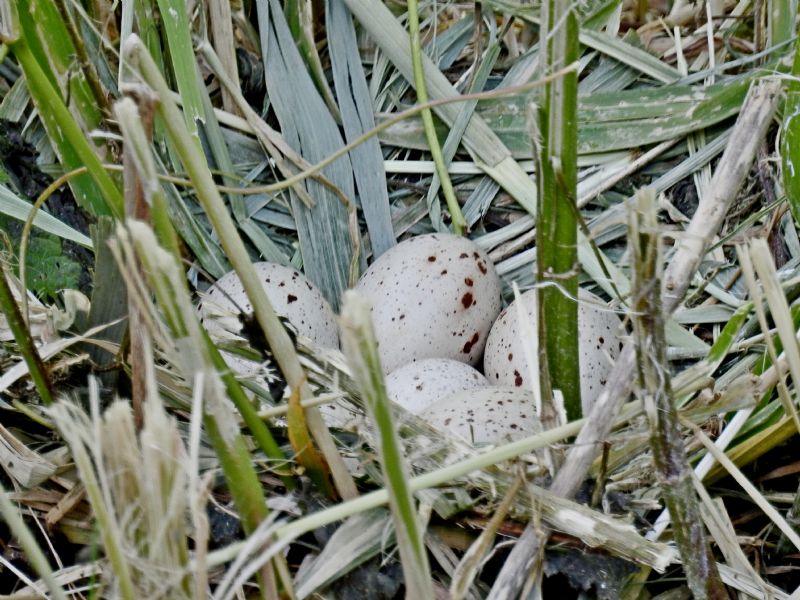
(355, 105)
(326, 241)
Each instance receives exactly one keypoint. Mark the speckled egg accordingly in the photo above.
(292, 296)
(417, 385)
(486, 416)
(504, 362)
(432, 296)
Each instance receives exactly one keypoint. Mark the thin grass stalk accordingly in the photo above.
(790, 138)
(566, 515)
(361, 349)
(756, 259)
(456, 216)
(136, 181)
(655, 391)
(428, 480)
(22, 335)
(65, 415)
(557, 227)
(470, 564)
(746, 485)
(33, 552)
(279, 341)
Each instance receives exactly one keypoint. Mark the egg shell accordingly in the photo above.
(504, 362)
(486, 416)
(417, 385)
(292, 296)
(432, 296)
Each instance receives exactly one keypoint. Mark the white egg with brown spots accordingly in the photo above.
(490, 415)
(504, 362)
(432, 296)
(292, 296)
(417, 385)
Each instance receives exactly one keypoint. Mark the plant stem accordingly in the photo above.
(457, 217)
(22, 335)
(655, 390)
(361, 349)
(557, 227)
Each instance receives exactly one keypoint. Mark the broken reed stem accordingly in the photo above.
(137, 207)
(655, 391)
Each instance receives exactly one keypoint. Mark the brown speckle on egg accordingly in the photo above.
(473, 340)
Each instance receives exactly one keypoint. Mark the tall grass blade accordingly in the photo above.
(175, 23)
(96, 192)
(361, 349)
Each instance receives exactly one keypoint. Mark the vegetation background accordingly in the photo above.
(644, 151)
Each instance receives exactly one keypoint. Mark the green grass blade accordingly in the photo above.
(361, 349)
(790, 138)
(427, 120)
(13, 206)
(608, 121)
(96, 192)
(300, 18)
(16, 321)
(50, 42)
(175, 23)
